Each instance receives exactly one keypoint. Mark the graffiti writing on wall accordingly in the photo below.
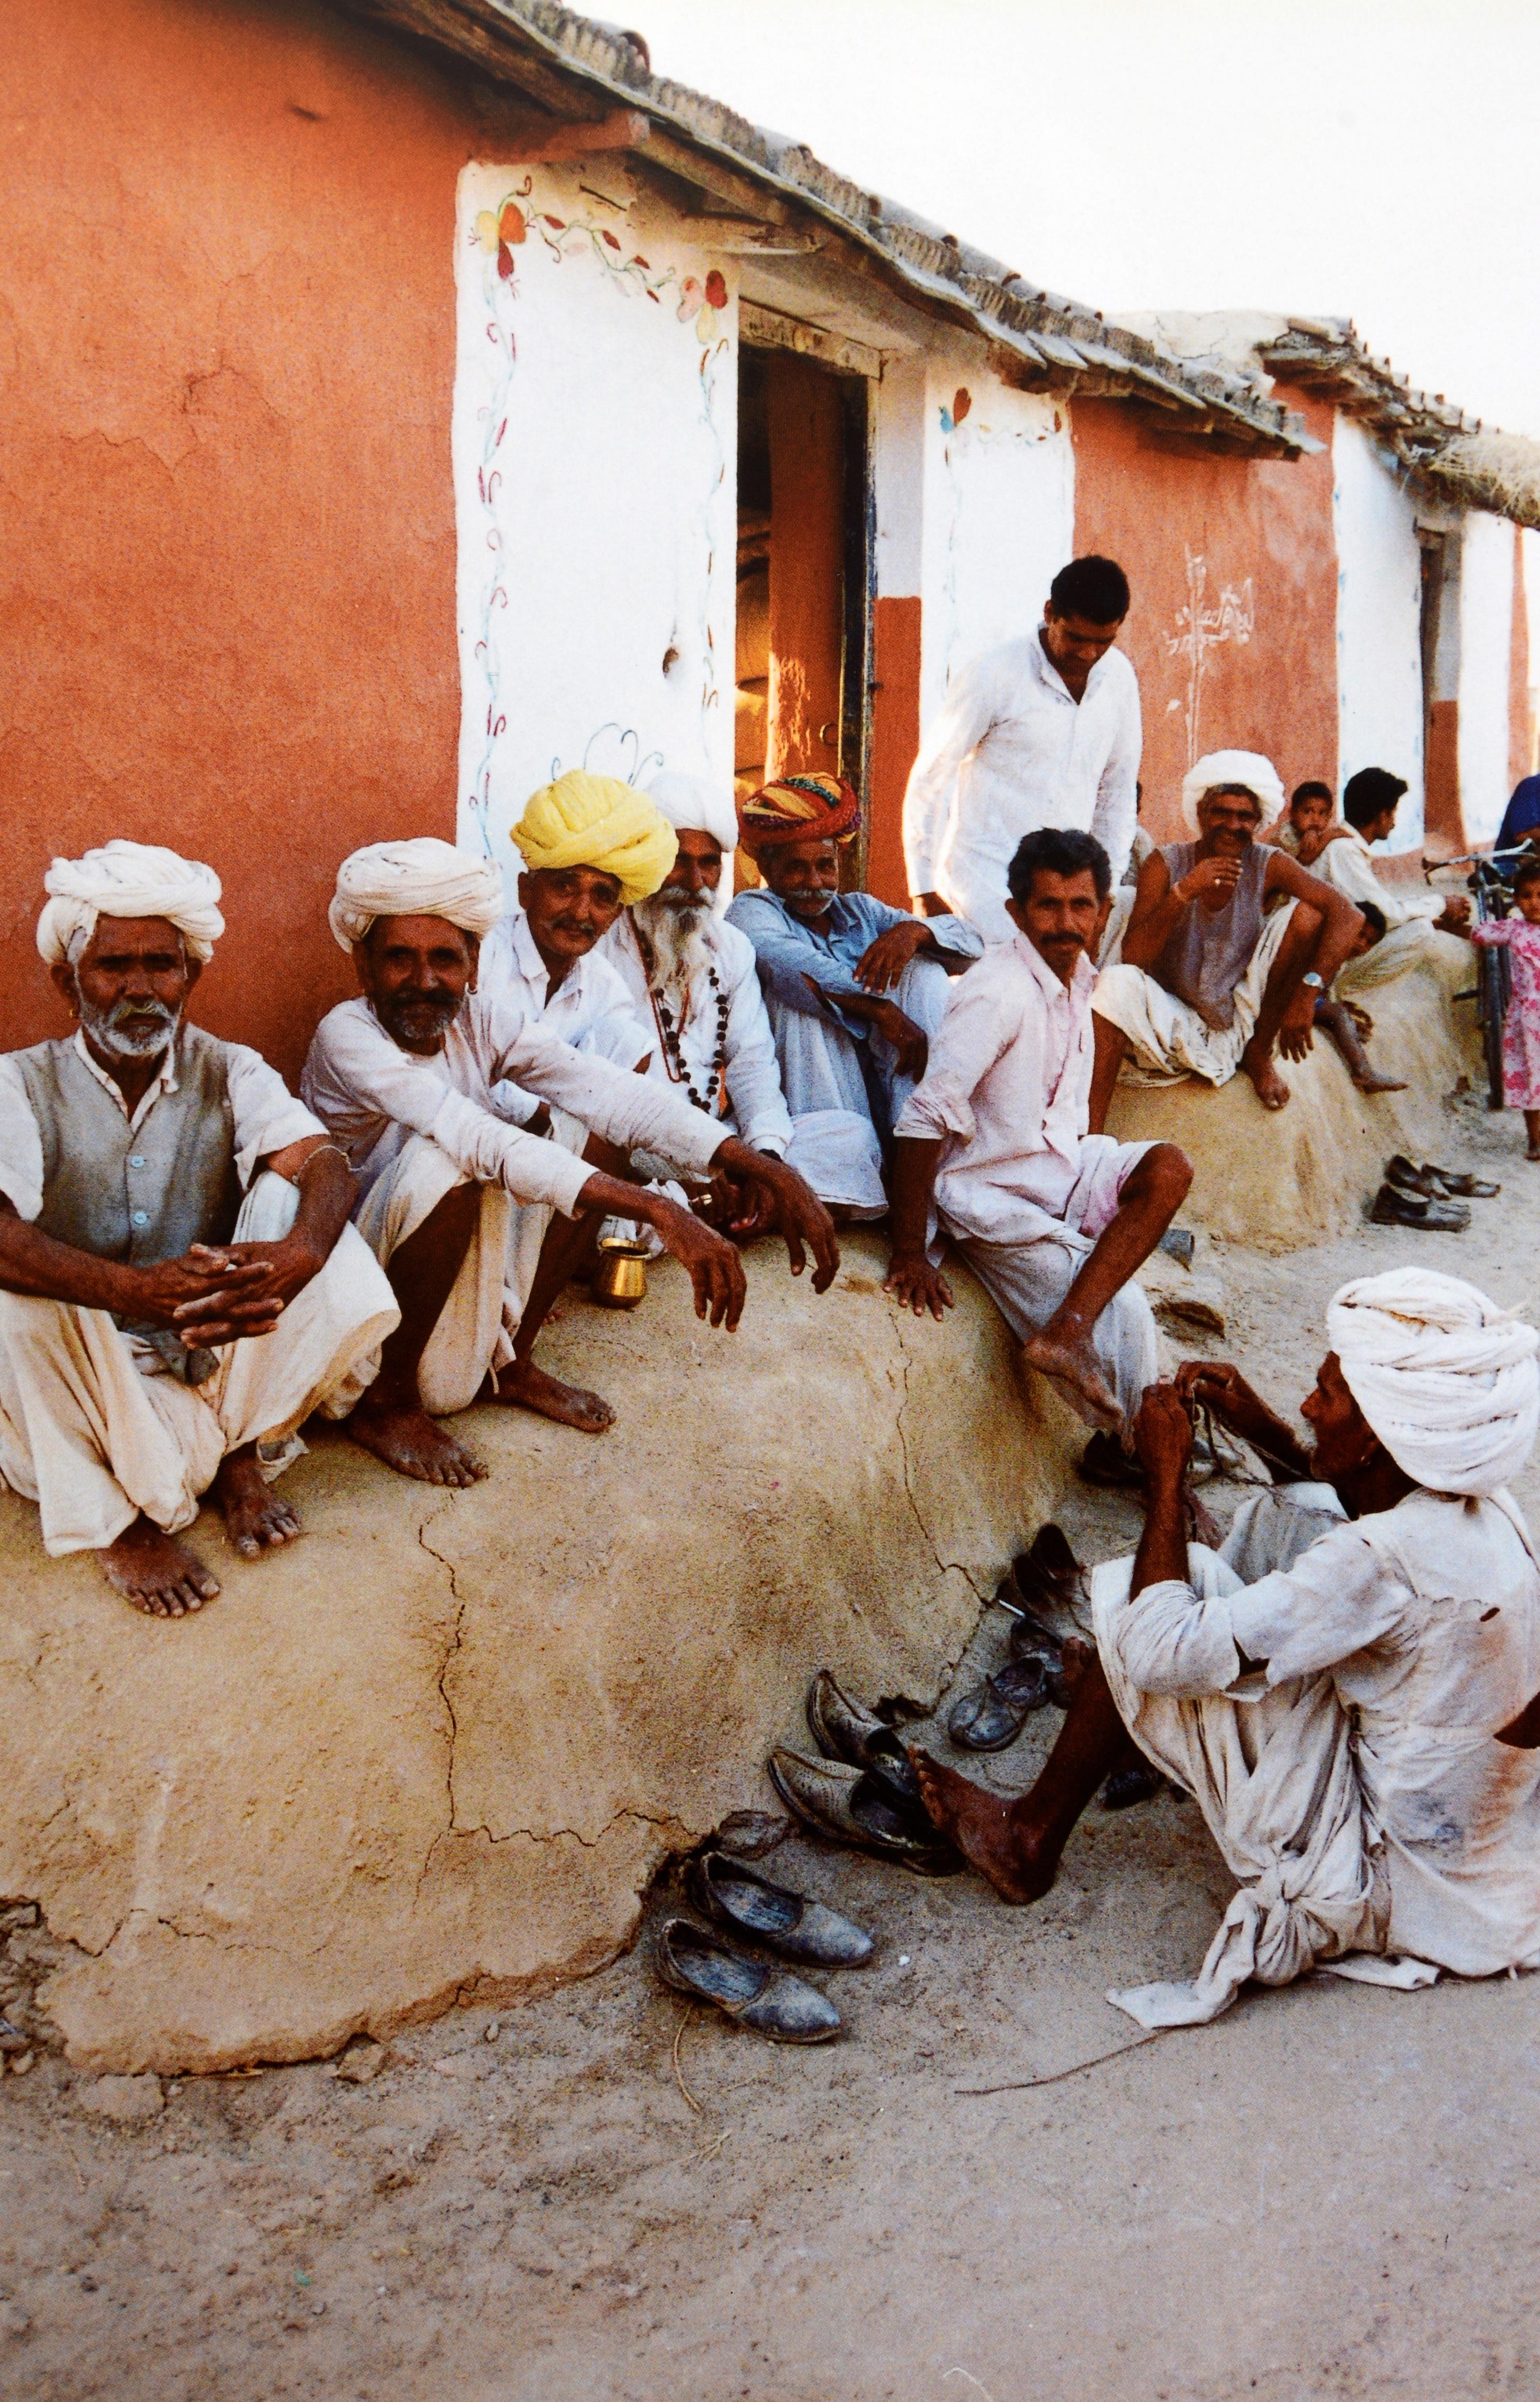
(521, 227)
(1202, 625)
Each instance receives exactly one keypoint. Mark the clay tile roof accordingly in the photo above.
(1453, 456)
(577, 67)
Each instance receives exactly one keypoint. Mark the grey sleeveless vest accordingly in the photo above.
(1207, 956)
(144, 1196)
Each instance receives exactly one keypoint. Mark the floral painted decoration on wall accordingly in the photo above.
(500, 231)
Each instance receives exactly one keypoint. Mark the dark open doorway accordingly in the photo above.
(803, 614)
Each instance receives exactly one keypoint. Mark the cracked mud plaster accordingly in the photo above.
(438, 1749)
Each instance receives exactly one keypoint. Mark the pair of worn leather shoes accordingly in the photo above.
(1392, 1206)
(697, 1961)
(863, 1790)
(1431, 1183)
(1043, 1583)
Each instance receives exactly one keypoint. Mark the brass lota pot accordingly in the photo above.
(620, 1280)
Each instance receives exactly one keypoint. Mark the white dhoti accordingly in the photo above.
(1272, 1770)
(1167, 1037)
(95, 1428)
(1028, 1279)
(836, 1141)
(1416, 945)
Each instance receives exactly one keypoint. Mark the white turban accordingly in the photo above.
(1246, 768)
(425, 879)
(693, 806)
(1446, 1380)
(127, 879)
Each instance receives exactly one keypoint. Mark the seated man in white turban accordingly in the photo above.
(590, 845)
(1208, 980)
(692, 976)
(1349, 1688)
(161, 1335)
(993, 1147)
(406, 1079)
(855, 987)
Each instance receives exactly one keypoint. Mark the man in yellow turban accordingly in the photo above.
(408, 1079)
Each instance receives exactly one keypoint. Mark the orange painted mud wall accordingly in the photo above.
(895, 740)
(227, 347)
(1193, 530)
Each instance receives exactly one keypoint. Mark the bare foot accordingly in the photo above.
(256, 1520)
(1271, 1091)
(1373, 1083)
(1533, 1154)
(157, 1573)
(529, 1387)
(407, 1439)
(979, 1823)
(1070, 1359)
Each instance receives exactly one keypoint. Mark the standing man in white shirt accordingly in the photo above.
(1041, 732)
(1052, 1219)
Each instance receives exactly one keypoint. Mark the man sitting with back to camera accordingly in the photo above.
(1414, 916)
(855, 987)
(1053, 1219)
(1208, 980)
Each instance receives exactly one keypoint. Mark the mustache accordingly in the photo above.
(108, 1025)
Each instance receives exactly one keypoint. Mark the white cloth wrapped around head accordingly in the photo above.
(422, 878)
(1446, 1380)
(127, 879)
(1246, 768)
(693, 805)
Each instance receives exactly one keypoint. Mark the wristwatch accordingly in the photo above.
(1313, 981)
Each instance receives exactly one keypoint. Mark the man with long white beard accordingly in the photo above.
(407, 1077)
(692, 977)
(1350, 1688)
(179, 1284)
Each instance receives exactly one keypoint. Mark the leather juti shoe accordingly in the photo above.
(1103, 1462)
(745, 1899)
(1394, 1206)
(1137, 1782)
(1438, 1183)
(993, 1714)
(852, 1806)
(846, 1729)
(695, 1961)
(1046, 1577)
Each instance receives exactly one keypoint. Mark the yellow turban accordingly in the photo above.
(583, 821)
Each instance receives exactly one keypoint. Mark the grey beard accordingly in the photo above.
(675, 929)
(104, 1026)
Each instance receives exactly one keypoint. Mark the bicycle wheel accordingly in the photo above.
(1494, 1002)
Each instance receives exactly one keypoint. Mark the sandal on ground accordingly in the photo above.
(993, 1715)
(693, 1961)
(846, 1729)
(1392, 1207)
(1439, 1183)
(852, 1806)
(746, 1900)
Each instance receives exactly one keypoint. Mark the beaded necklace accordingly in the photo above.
(673, 1052)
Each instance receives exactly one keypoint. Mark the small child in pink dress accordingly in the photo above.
(1521, 1026)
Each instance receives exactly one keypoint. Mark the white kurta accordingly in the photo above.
(750, 1103)
(413, 1128)
(1022, 1187)
(1354, 1782)
(590, 1007)
(1168, 1041)
(1011, 751)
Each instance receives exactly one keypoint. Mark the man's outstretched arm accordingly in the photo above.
(911, 1280)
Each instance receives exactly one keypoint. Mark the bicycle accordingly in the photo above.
(1492, 891)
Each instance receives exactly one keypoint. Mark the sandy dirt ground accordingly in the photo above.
(604, 2195)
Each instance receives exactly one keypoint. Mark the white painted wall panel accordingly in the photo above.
(594, 447)
(999, 515)
(1486, 632)
(1378, 624)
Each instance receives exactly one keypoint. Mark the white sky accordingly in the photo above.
(1376, 158)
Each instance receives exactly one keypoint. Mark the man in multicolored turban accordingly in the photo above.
(408, 1077)
(179, 1284)
(855, 988)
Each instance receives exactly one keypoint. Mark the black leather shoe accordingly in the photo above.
(746, 1900)
(852, 1806)
(1438, 1183)
(1125, 1787)
(993, 1715)
(695, 1961)
(1394, 1208)
(1047, 1577)
(1105, 1462)
(848, 1731)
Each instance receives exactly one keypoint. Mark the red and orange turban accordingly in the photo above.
(800, 808)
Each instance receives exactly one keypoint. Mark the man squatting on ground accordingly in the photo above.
(406, 1078)
(1207, 981)
(179, 1284)
(1350, 1688)
(1052, 1219)
(855, 987)
(1044, 731)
